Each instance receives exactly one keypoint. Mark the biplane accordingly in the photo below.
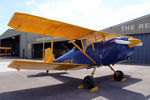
(5, 51)
(97, 48)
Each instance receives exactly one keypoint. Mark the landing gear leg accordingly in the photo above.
(118, 75)
(47, 71)
(93, 72)
(89, 82)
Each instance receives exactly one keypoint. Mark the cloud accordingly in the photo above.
(31, 2)
(134, 11)
(3, 17)
(89, 13)
(3, 28)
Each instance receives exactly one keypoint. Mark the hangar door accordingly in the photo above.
(60, 48)
(141, 54)
(12, 42)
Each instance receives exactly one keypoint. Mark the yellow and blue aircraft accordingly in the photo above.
(98, 48)
(5, 51)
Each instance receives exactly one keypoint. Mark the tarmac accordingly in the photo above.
(62, 85)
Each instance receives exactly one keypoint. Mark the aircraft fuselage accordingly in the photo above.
(106, 53)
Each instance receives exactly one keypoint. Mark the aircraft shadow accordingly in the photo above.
(111, 90)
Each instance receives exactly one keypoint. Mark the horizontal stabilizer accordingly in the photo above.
(32, 65)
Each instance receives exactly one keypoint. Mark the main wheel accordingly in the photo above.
(89, 82)
(118, 76)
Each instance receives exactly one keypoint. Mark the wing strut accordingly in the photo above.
(82, 51)
(48, 53)
(43, 46)
(82, 44)
(86, 45)
(92, 43)
(52, 42)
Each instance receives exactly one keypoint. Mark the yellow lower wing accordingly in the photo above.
(32, 65)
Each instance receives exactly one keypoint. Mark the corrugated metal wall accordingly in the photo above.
(141, 54)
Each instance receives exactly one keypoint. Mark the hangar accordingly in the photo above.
(138, 28)
(29, 45)
(18, 41)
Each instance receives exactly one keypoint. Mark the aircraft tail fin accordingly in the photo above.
(49, 56)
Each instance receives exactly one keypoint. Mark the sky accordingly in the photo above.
(92, 14)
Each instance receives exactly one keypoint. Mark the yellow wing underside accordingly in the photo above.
(32, 65)
(38, 25)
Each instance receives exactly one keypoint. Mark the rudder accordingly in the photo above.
(49, 56)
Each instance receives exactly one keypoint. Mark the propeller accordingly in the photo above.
(131, 42)
(121, 42)
(140, 44)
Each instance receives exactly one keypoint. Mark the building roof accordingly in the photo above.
(135, 26)
(30, 37)
(9, 33)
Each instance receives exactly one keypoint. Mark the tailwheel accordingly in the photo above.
(89, 82)
(118, 75)
(47, 71)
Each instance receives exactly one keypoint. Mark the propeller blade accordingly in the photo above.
(122, 42)
(134, 42)
(131, 42)
(140, 44)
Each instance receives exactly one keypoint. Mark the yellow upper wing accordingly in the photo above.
(34, 24)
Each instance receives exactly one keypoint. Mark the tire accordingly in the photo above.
(119, 75)
(89, 82)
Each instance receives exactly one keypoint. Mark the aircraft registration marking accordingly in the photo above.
(69, 61)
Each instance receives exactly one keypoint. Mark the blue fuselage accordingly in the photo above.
(105, 53)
